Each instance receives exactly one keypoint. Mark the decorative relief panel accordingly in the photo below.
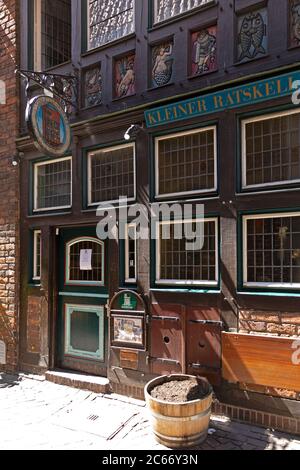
(93, 87)
(162, 64)
(252, 38)
(294, 12)
(204, 51)
(109, 20)
(124, 72)
(164, 9)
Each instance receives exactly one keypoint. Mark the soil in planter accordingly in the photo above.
(180, 391)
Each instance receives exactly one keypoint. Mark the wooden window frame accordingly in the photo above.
(128, 279)
(122, 38)
(35, 192)
(68, 350)
(180, 134)
(37, 38)
(185, 12)
(36, 234)
(244, 123)
(89, 173)
(266, 285)
(70, 282)
(180, 283)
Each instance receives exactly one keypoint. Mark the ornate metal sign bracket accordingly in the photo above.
(63, 87)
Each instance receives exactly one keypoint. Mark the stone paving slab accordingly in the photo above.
(39, 415)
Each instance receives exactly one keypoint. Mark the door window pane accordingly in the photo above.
(85, 262)
(84, 334)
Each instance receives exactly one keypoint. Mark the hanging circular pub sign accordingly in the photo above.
(49, 125)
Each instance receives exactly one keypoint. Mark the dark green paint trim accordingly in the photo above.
(152, 169)
(67, 235)
(200, 288)
(84, 162)
(186, 291)
(240, 249)
(219, 86)
(239, 168)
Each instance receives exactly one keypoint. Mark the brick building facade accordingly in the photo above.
(9, 184)
(230, 313)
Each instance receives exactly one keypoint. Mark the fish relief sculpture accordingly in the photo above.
(162, 59)
(251, 37)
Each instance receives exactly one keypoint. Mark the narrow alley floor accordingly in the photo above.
(39, 415)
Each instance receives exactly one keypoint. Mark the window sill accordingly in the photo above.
(238, 64)
(204, 74)
(186, 291)
(153, 88)
(108, 44)
(58, 66)
(269, 294)
(274, 189)
(48, 214)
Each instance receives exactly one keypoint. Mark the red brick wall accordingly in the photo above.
(8, 182)
(270, 323)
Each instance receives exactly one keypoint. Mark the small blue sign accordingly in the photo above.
(252, 93)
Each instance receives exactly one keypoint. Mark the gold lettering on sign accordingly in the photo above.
(257, 93)
(218, 101)
(182, 109)
(151, 118)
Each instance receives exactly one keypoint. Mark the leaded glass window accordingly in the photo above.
(37, 254)
(52, 32)
(130, 253)
(165, 9)
(271, 149)
(53, 184)
(186, 162)
(85, 262)
(181, 263)
(272, 250)
(111, 174)
(109, 20)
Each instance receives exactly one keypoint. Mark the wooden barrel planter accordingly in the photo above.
(179, 425)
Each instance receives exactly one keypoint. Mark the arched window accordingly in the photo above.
(85, 262)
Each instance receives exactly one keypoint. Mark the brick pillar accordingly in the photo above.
(9, 186)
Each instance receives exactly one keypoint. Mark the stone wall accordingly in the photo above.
(270, 323)
(9, 183)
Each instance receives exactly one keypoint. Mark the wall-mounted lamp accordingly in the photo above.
(132, 131)
(15, 161)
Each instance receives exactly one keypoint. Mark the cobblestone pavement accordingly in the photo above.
(35, 414)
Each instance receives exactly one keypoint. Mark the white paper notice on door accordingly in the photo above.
(86, 260)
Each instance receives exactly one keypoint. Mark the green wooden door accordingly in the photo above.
(82, 322)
